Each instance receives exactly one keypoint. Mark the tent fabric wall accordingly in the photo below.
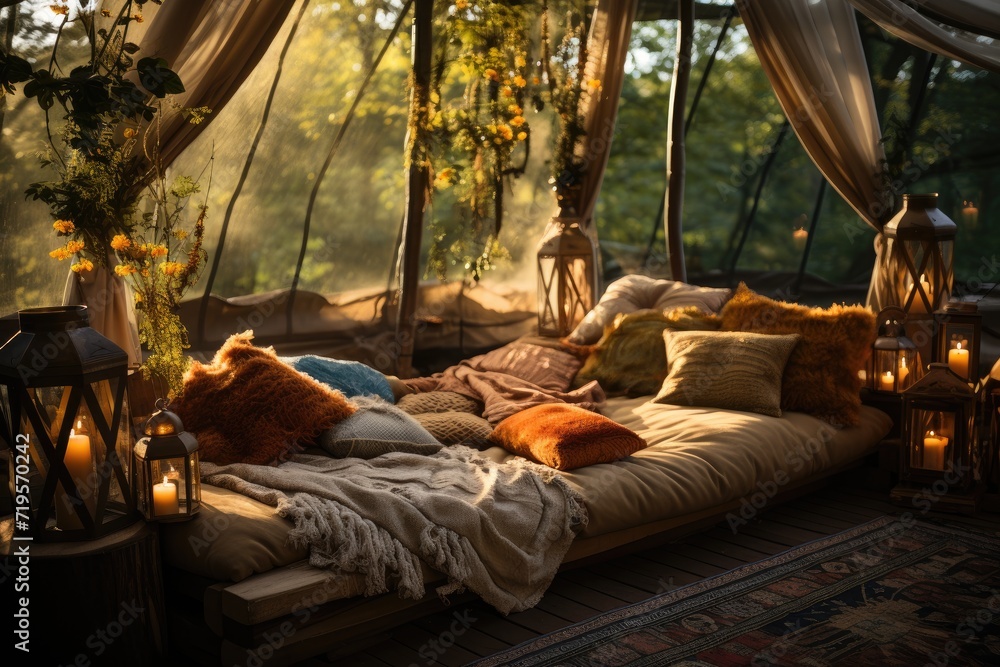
(907, 23)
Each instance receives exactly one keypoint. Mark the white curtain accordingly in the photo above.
(947, 38)
(812, 53)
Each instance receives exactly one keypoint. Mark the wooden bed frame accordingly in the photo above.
(294, 612)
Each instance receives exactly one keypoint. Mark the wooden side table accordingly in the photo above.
(95, 602)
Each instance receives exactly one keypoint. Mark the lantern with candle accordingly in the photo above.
(957, 332)
(567, 277)
(940, 443)
(62, 401)
(916, 268)
(895, 362)
(168, 481)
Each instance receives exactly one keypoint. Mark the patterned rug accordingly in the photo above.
(895, 591)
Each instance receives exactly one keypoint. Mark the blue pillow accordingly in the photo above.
(352, 378)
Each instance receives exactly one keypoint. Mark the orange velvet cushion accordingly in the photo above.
(565, 436)
(821, 377)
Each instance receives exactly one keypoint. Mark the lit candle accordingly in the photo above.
(886, 381)
(970, 213)
(80, 466)
(958, 361)
(934, 446)
(903, 371)
(165, 499)
(917, 305)
(799, 237)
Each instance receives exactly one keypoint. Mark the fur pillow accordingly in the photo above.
(821, 377)
(630, 359)
(637, 292)
(565, 437)
(246, 406)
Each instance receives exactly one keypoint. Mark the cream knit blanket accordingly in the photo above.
(500, 530)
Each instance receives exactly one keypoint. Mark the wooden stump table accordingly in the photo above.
(96, 602)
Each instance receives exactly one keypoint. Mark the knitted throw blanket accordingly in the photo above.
(500, 530)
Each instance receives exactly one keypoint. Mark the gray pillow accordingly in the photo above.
(377, 428)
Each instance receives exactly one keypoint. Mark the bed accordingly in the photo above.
(700, 464)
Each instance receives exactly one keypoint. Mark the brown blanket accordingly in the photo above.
(515, 377)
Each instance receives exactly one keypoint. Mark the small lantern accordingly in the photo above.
(168, 481)
(957, 331)
(918, 260)
(62, 401)
(567, 278)
(895, 362)
(939, 433)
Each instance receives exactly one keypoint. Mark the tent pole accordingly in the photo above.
(416, 187)
(674, 209)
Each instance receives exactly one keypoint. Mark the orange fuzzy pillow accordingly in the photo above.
(564, 436)
(247, 406)
(821, 377)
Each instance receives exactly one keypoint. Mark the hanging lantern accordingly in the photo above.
(957, 332)
(62, 400)
(567, 278)
(918, 261)
(940, 447)
(895, 362)
(168, 480)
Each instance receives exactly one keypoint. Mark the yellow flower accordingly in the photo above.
(521, 136)
(130, 132)
(461, 4)
(171, 268)
(64, 226)
(535, 80)
(517, 121)
(180, 234)
(124, 270)
(519, 61)
(519, 81)
(507, 91)
(74, 247)
(506, 132)
(515, 110)
(156, 251)
(491, 74)
(120, 242)
(492, 129)
(446, 175)
(60, 254)
(82, 265)
(594, 84)
(62, 10)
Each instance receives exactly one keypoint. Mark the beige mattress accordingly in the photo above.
(697, 458)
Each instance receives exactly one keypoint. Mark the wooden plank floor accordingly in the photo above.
(467, 632)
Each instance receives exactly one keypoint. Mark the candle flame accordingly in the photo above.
(902, 362)
(930, 433)
(72, 432)
(959, 347)
(165, 481)
(79, 423)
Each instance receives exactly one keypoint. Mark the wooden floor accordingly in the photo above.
(473, 630)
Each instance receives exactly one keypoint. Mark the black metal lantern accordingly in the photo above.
(62, 401)
(957, 331)
(940, 446)
(918, 261)
(567, 278)
(895, 362)
(168, 480)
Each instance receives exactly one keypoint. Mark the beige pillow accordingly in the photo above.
(731, 370)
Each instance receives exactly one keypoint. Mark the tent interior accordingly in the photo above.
(724, 142)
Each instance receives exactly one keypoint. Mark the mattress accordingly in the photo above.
(695, 459)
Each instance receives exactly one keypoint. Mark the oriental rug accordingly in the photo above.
(895, 591)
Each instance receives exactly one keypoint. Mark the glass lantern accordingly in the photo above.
(62, 407)
(939, 431)
(567, 278)
(957, 330)
(895, 362)
(168, 479)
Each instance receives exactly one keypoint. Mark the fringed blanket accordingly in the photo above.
(500, 530)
